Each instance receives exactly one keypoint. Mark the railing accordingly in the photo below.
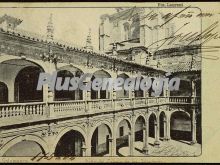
(140, 102)
(179, 99)
(30, 112)
(11, 113)
(123, 103)
(152, 101)
(66, 108)
(95, 106)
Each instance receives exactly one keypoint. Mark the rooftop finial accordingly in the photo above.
(50, 28)
(89, 41)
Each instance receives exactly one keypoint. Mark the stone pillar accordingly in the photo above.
(114, 138)
(193, 94)
(88, 140)
(47, 93)
(86, 98)
(114, 99)
(83, 149)
(110, 141)
(147, 94)
(130, 143)
(133, 97)
(88, 150)
(164, 128)
(157, 133)
(167, 128)
(145, 139)
(193, 126)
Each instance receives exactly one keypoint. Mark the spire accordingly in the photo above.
(89, 41)
(50, 28)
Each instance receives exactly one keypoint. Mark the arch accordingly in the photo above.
(18, 139)
(3, 93)
(108, 124)
(122, 93)
(65, 66)
(70, 144)
(65, 94)
(39, 63)
(65, 130)
(123, 127)
(15, 66)
(184, 89)
(140, 123)
(152, 121)
(180, 126)
(25, 85)
(163, 124)
(139, 92)
(126, 119)
(101, 94)
(73, 69)
(101, 74)
(123, 75)
(100, 142)
(140, 115)
(187, 113)
(151, 113)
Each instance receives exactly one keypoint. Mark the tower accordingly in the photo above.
(89, 41)
(50, 28)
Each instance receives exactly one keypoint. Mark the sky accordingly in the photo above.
(71, 25)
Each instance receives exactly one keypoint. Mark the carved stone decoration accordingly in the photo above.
(1, 141)
(93, 122)
(52, 130)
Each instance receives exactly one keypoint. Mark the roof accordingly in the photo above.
(129, 50)
(183, 67)
(42, 39)
(181, 63)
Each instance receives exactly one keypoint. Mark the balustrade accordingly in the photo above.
(30, 112)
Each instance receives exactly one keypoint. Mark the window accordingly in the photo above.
(127, 31)
(121, 131)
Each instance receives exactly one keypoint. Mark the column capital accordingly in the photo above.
(110, 139)
(145, 150)
(156, 143)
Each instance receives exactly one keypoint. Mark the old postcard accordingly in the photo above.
(109, 82)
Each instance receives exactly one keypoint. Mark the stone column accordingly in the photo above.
(47, 92)
(193, 94)
(114, 99)
(88, 150)
(133, 97)
(167, 137)
(147, 94)
(114, 138)
(87, 98)
(110, 141)
(193, 126)
(83, 149)
(164, 129)
(145, 139)
(88, 140)
(157, 132)
(130, 143)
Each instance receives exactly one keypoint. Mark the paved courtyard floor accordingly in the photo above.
(167, 148)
